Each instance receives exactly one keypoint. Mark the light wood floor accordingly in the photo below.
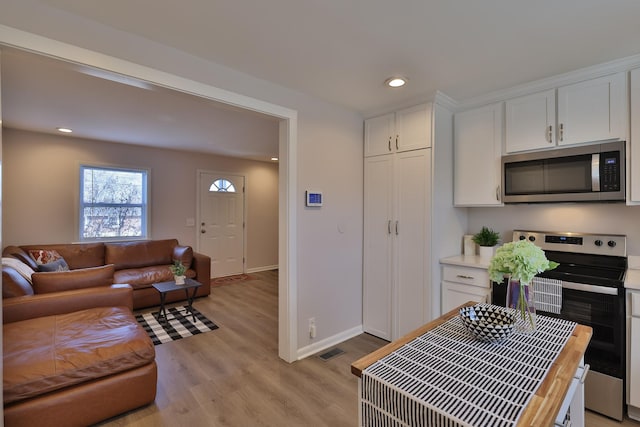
(233, 376)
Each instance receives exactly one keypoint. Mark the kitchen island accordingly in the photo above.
(542, 405)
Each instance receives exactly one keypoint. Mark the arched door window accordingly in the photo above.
(222, 186)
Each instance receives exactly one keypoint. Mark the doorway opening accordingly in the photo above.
(288, 198)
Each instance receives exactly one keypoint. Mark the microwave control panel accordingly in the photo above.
(610, 171)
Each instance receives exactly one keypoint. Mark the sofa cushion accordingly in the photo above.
(45, 282)
(54, 352)
(144, 277)
(14, 284)
(140, 253)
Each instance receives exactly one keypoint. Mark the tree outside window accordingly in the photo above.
(113, 203)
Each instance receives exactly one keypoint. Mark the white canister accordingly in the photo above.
(469, 245)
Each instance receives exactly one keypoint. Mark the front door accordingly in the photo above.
(221, 226)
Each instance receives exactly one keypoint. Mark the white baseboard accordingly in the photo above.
(329, 342)
(263, 268)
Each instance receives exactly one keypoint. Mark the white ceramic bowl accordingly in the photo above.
(488, 323)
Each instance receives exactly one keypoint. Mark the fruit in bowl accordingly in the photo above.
(488, 323)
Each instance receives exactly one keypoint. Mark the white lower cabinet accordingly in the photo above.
(633, 354)
(397, 209)
(463, 283)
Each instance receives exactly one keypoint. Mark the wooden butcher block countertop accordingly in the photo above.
(544, 406)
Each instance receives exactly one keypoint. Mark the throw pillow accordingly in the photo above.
(57, 265)
(44, 257)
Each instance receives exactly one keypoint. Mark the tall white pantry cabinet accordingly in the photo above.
(397, 222)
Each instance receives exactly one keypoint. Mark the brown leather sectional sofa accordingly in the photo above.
(74, 358)
(137, 263)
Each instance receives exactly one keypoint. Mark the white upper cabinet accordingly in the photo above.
(477, 149)
(634, 141)
(592, 110)
(530, 122)
(404, 130)
(379, 135)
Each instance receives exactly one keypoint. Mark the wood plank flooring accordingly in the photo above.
(234, 377)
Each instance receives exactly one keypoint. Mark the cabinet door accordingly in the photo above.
(377, 272)
(379, 135)
(634, 363)
(456, 294)
(477, 154)
(412, 235)
(634, 142)
(413, 128)
(592, 110)
(530, 122)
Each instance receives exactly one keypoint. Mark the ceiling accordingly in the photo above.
(341, 51)
(41, 94)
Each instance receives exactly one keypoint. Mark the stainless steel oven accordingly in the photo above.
(592, 269)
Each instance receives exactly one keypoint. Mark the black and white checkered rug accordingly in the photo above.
(179, 324)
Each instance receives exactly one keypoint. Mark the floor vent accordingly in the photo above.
(331, 353)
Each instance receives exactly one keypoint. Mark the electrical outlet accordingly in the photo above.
(312, 327)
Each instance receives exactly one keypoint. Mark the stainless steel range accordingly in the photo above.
(592, 269)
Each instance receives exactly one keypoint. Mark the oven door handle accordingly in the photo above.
(590, 288)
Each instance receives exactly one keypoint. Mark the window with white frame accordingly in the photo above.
(222, 186)
(113, 203)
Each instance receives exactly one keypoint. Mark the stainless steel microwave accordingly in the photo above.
(591, 173)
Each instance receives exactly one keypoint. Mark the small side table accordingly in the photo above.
(164, 287)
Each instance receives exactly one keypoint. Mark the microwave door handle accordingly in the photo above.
(595, 172)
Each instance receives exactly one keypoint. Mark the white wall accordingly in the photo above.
(612, 218)
(329, 158)
(41, 177)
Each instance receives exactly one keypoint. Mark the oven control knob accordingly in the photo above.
(612, 243)
(532, 238)
(598, 242)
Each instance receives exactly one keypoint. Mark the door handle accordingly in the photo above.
(397, 229)
(389, 143)
(389, 227)
(397, 136)
(550, 134)
(203, 231)
(561, 131)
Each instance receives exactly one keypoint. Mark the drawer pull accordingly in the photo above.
(463, 276)
(584, 373)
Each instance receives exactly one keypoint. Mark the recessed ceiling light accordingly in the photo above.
(275, 159)
(64, 130)
(395, 81)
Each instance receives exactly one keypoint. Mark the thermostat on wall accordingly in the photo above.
(314, 198)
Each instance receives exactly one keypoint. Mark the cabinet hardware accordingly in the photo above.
(498, 193)
(584, 373)
(464, 276)
(397, 136)
(550, 134)
(561, 131)
(397, 228)
(389, 227)
(389, 143)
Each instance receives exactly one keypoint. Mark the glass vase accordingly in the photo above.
(521, 297)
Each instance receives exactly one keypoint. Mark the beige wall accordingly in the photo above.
(40, 189)
(600, 218)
